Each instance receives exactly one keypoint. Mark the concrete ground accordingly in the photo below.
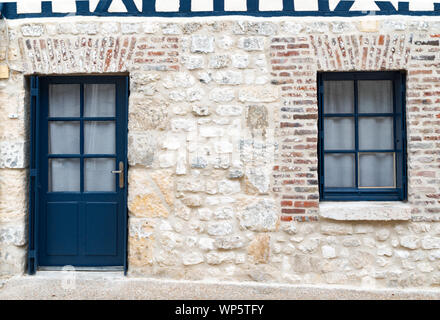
(113, 285)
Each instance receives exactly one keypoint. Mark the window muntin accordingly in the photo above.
(362, 136)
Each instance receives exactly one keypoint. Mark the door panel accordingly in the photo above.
(101, 226)
(83, 138)
(62, 228)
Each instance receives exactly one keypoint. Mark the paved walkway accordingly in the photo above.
(113, 285)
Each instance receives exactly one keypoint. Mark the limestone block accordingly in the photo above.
(165, 181)
(222, 95)
(13, 233)
(333, 229)
(32, 30)
(192, 200)
(12, 260)
(257, 180)
(130, 28)
(219, 61)
(4, 71)
(13, 154)
(148, 114)
(228, 77)
(201, 111)
(260, 216)
(216, 258)
(410, 242)
(192, 258)
(227, 187)
(258, 94)
(147, 205)
(179, 80)
(229, 243)
(150, 27)
(140, 251)
(13, 195)
(251, 43)
(192, 62)
(254, 28)
(291, 27)
(369, 26)
(429, 243)
(142, 148)
(170, 28)
(224, 213)
(183, 125)
(225, 42)
(240, 61)
(202, 44)
(221, 228)
(259, 248)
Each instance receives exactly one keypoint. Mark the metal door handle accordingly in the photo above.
(121, 174)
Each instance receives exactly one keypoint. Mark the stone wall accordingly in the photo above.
(223, 179)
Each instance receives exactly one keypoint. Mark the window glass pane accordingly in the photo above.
(99, 100)
(376, 133)
(375, 96)
(376, 170)
(64, 174)
(98, 176)
(99, 137)
(339, 170)
(64, 100)
(338, 96)
(339, 134)
(64, 137)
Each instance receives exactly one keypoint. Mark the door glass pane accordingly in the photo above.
(376, 170)
(64, 175)
(99, 100)
(339, 134)
(375, 96)
(99, 137)
(64, 100)
(98, 176)
(64, 137)
(338, 97)
(339, 170)
(376, 133)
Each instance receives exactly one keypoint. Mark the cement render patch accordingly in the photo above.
(113, 285)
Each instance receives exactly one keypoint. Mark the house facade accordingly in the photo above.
(294, 142)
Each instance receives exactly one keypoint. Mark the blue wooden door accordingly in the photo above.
(81, 156)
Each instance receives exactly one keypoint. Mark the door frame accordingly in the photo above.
(35, 96)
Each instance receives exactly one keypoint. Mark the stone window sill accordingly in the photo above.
(365, 211)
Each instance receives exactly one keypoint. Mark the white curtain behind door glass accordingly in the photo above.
(64, 100)
(64, 137)
(98, 176)
(99, 100)
(99, 137)
(64, 175)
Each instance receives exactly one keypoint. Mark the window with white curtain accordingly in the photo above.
(362, 146)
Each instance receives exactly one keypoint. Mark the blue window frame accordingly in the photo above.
(362, 136)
